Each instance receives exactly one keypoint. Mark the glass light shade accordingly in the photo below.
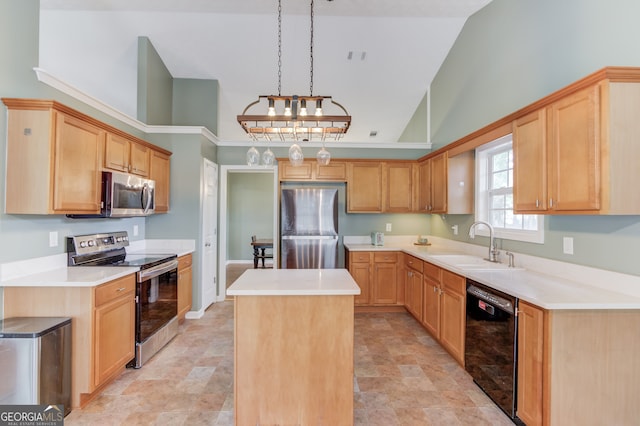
(272, 109)
(303, 107)
(296, 157)
(319, 107)
(323, 157)
(268, 157)
(253, 157)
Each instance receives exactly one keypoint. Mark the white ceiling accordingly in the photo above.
(91, 45)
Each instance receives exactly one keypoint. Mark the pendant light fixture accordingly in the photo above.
(288, 118)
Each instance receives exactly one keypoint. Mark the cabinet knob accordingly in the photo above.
(120, 289)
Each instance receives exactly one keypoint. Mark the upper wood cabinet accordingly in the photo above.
(54, 161)
(160, 172)
(446, 184)
(399, 181)
(55, 158)
(577, 155)
(124, 155)
(310, 170)
(364, 187)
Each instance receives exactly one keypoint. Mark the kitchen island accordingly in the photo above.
(293, 346)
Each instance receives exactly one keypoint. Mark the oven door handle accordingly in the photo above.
(163, 268)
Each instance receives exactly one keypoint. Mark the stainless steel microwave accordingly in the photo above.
(124, 195)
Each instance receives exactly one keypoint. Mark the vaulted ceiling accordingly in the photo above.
(375, 57)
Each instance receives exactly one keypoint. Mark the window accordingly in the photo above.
(494, 195)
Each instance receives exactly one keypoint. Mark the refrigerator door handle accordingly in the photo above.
(309, 237)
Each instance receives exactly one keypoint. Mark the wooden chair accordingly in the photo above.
(259, 250)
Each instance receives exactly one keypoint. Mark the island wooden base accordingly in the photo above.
(293, 360)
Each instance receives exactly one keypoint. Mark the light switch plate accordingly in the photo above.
(567, 245)
(135, 230)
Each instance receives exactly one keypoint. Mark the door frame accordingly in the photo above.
(223, 227)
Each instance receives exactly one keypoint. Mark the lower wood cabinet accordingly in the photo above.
(102, 328)
(185, 285)
(376, 273)
(530, 362)
(414, 291)
(444, 308)
(114, 333)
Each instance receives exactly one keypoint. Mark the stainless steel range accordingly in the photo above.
(156, 286)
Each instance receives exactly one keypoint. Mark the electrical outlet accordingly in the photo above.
(455, 229)
(567, 245)
(388, 227)
(135, 230)
(53, 239)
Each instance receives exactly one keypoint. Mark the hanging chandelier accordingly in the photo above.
(293, 117)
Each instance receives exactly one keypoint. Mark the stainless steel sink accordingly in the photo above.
(471, 263)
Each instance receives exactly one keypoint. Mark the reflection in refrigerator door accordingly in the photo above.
(309, 228)
(309, 253)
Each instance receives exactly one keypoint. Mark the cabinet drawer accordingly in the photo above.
(114, 289)
(413, 263)
(359, 256)
(184, 261)
(432, 271)
(454, 282)
(385, 257)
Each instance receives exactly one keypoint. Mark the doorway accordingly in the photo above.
(231, 240)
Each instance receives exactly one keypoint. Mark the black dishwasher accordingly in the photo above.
(490, 344)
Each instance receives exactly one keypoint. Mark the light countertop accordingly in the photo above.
(75, 276)
(52, 271)
(294, 282)
(539, 287)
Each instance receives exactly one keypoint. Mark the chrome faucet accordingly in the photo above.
(493, 249)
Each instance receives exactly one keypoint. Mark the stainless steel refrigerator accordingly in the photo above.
(309, 228)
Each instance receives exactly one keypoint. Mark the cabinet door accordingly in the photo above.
(530, 162)
(364, 187)
(159, 171)
(431, 312)
(77, 166)
(453, 314)
(384, 290)
(114, 337)
(334, 171)
(116, 153)
(439, 183)
(399, 187)
(185, 285)
(361, 273)
(415, 293)
(288, 171)
(424, 183)
(574, 142)
(530, 363)
(140, 157)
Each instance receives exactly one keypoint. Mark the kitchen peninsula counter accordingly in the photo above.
(293, 346)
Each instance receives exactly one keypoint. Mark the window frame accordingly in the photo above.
(483, 153)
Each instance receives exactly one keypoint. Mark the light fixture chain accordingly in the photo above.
(279, 47)
(311, 53)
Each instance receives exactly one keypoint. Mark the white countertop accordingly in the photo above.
(75, 276)
(541, 287)
(52, 271)
(294, 282)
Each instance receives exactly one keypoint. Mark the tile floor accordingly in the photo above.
(403, 377)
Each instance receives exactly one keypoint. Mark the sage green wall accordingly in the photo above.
(512, 53)
(195, 103)
(155, 86)
(249, 212)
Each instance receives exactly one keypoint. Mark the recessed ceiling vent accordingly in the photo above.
(355, 55)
